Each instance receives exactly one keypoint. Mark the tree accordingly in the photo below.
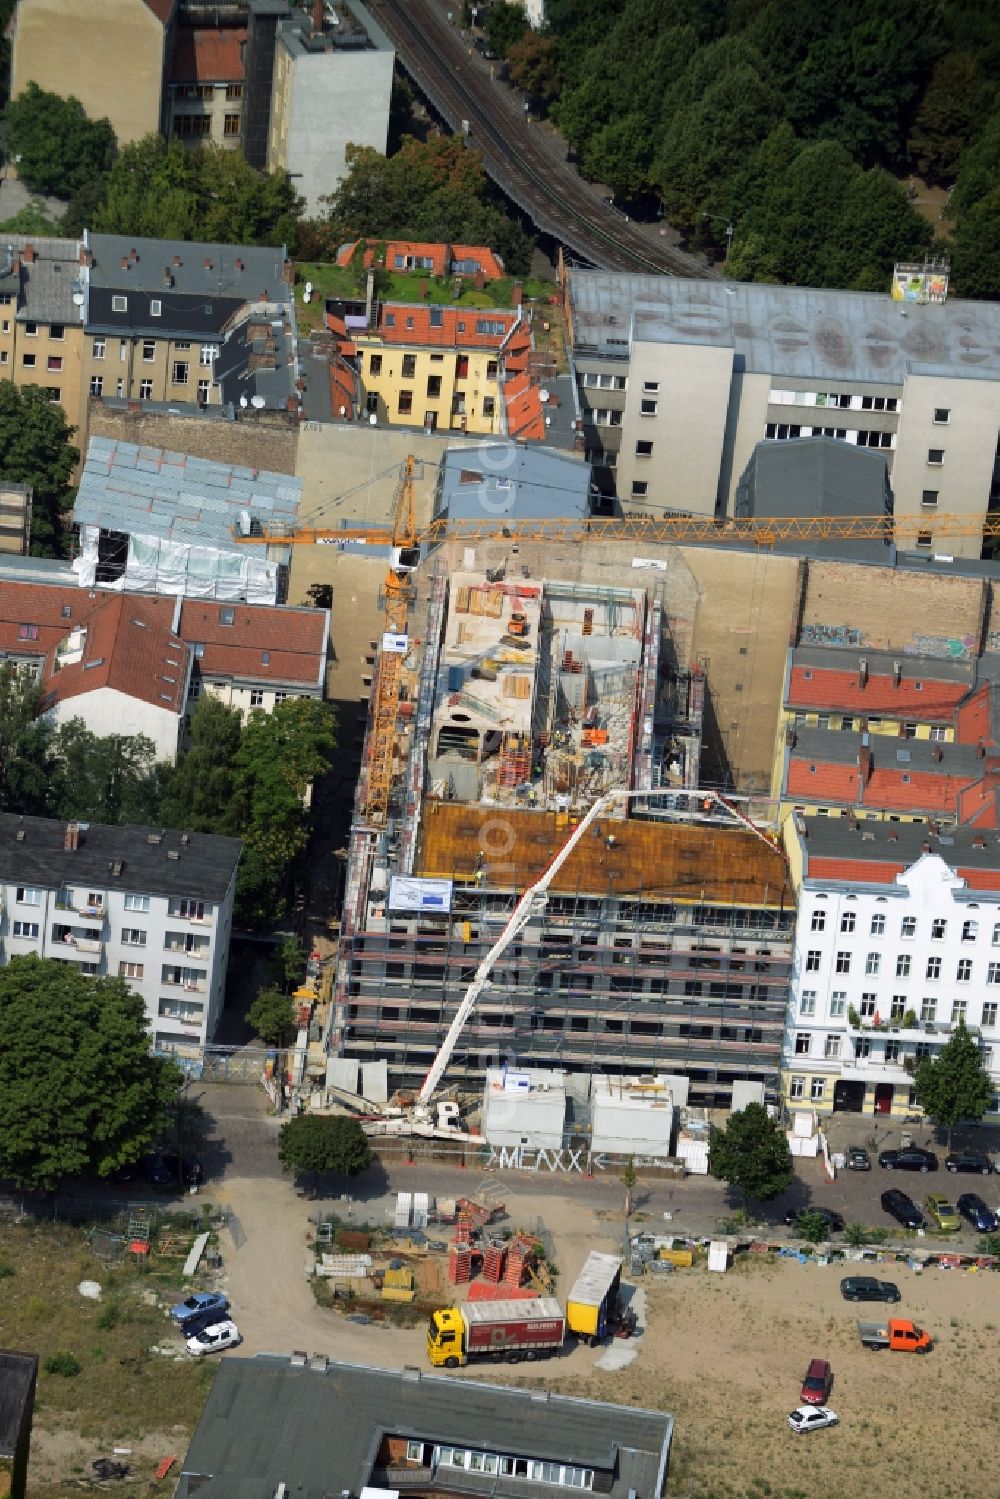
(35, 449)
(533, 66)
(505, 25)
(314, 1143)
(80, 1089)
(812, 1227)
(954, 1086)
(25, 745)
(947, 117)
(198, 791)
(629, 1179)
(291, 960)
(110, 778)
(57, 146)
(751, 1154)
(31, 219)
(272, 1016)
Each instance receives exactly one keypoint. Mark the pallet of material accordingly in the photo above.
(345, 1266)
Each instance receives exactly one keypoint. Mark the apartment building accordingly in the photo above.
(114, 58)
(664, 946)
(680, 380)
(41, 321)
(150, 906)
(476, 261)
(897, 942)
(204, 103)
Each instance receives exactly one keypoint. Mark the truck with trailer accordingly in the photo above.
(592, 1304)
(897, 1334)
(511, 1331)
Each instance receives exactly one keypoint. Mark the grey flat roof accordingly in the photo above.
(790, 330)
(886, 842)
(14, 569)
(365, 32)
(833, 747)
(46, 285)
(267, 1422)
(262, 267)
(203, 867)
(883, 663)
(147, 491)
(513, 480)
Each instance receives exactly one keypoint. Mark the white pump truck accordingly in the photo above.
(419, 1118)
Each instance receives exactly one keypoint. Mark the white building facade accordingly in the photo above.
(896, 945)
(152, 907)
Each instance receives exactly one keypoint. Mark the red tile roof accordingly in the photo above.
(892, 790)
(980, 879)
(162, 9)
(826, 689)
(972, 723)
(442, 256)
(833, 783)
(209, 54)
(525, 418)
(293, 639)
(126, 645)
(866, 871)
(411, 324)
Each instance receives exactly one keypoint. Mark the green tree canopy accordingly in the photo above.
(505, 26)
(110, 778)
(57, 146)
(954, 1087)
(272, 1016)
(25, 740)
(751, 1154)
(199, 791)
(35, 449)
(533, 66)
(314, 1143)
(80, 1089)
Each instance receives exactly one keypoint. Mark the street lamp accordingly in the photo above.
(722, 218)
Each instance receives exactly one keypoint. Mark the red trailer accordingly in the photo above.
(513, 1331)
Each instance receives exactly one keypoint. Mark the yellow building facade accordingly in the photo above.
(426, 387)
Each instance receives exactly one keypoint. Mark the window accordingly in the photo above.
(933, 968)
(155, 307)
(817, 1089)
(204, 387)
(847, 921)
(643, 449)
(929, 498)
(28, 360)
(990, 1013)
(137, 902)
(53, 392)
(179, 374)
(96, 385)
(234, 91)
(27, 632)
(28, 895)
(227, 616)
(119, 304)
(148, 350)
(256, 697)
(489, 405)
(908, 926)
(843, 962)
(25, 929)
(818, 922)
(647, 408)
(838, 1003)
(873, 964)
(970, 931)
(145, 390)
(640, 489)
(433, 387)
(491, 369)
(903, 966)
(31, 329)
(964, 973)
(928, 1011)
(99, 348)
(993, 973)
(651, 387)
(374, 364)
(803, 1040)
(182, 343)
(807, 1002)
(862, 1046)
(996, 935)
(231, 126)
(959, 1011)
(878, 924)
(831, 1047)
(405, 403)
(119, 388)
(133, 936)
(194, 910)
(925, 538)
(409, 366)
(942, 415)
(938, 928)
(897, 1007)
(866, 1007)
(813, 957)
(130, 970)
(892, 1051)
(935, 457)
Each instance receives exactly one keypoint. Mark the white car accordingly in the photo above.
(812, 1417)
(214, 1339)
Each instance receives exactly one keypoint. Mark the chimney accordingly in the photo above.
(71, 837)
(897, 672)
(979, 841)
(240, 266)
(16, 267)
(937, 753)
(893, 837)
(177, 260)
(86, 256)
(863, 672)
(865, 764)
(28, 254)
(925, 847)
(981, 750)
(125, 263)
(317, 15)
(168, 277)
(208, 263)
(134, 253)
(288, 272)
(517, 292)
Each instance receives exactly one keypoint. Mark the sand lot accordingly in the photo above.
(726, 1354)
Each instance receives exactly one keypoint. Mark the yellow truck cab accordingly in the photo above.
(445, 1337)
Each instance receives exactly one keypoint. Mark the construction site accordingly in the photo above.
(516, 703)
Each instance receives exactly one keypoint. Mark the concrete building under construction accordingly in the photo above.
(665, 942)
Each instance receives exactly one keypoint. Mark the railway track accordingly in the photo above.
(520, 157)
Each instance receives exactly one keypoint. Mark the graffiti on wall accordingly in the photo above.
(943, 647)
(843, 635)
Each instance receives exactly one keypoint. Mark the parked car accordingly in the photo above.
(979, 1215)
(902, 1208)
(187, 1169)
(155, 1172)
(811, 1418)
(941, 1213)
(202, 1321)
(214, 1339)
(858, 1159)
(834, 1221)
(201, 1301)
(817, 1384)
(969, 1160)
(911, 1158)
(867, 1288)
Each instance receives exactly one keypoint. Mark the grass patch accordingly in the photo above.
(330, 280)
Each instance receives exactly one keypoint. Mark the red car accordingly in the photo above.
(818, 1382)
